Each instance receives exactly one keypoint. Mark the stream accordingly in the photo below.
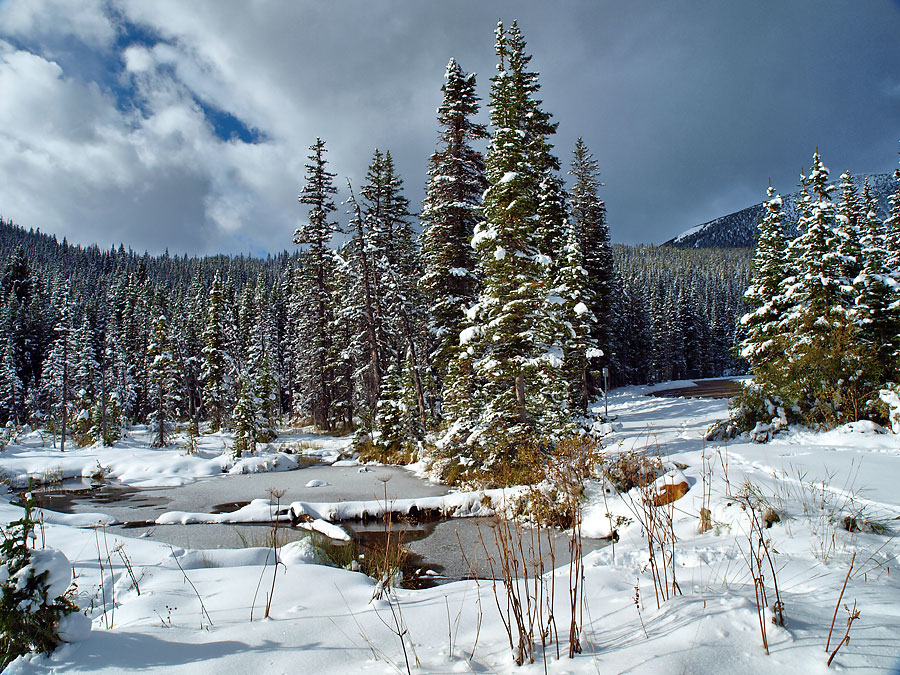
(436, 551)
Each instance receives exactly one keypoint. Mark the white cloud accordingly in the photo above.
(86, 19)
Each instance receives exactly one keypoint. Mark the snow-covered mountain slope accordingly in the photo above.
(740, 228)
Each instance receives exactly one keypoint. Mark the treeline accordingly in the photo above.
(823, 334)
(488, 331)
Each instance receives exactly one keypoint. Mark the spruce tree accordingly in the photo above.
(397, 269)
(56, 376)
(450, 211)
(515, 365)
(580, 347)
(391, 418)
(245, 418)
(892, 229)
(822, 334)
(592, 232)
(876, 314)
(161, 380)
(765, 340)
(13, 392)
(84, 380)
(215, 368)
(316, 234)
(362, 306)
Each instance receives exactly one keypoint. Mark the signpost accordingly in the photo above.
(605, 392)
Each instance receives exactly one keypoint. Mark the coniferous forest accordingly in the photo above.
(469, 330)
(482, 323)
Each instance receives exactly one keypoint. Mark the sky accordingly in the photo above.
(186, 125)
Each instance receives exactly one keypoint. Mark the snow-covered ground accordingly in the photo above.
(324, 620)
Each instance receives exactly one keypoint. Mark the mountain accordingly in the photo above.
(740, 228)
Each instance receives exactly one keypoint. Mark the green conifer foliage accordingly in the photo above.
(215, 367)
(316, 234)
(29, 617)
(452, 208)
(512, 342)
(162, 378)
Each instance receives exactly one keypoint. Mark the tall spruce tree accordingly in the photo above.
(892, 229)
(215, 369)
(764, 337)
(580, 346)
(822, 333)
(316, 234)
(592, 232)
(451, 209)
(517, 367)
(876, 314)
(397, 269)
(57, 372)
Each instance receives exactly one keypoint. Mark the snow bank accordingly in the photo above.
(75, 519)
(456, 505)
(257, 511)
(59, 571)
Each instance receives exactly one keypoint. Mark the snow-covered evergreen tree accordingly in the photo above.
(516, 364)
(85, 371)
(12, 391)
(399, 316)
(450, 211)
(588, 213)
(764, 337)
(56, 376)
(876, 314)
(244, 419)
(260, 375)
(391, 418)
(823, 334)
(318, 385)
(892, 229)
(162, 377)
(216, 362)
(579, 346)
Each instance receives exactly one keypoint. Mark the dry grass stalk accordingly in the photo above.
(528, 614)
(389, 566)
(203, 612)
(706, 474)
(759, 549)
(838, 604)
(657, 521)
(852, 615)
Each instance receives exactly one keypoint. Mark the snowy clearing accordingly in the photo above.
(324, 619)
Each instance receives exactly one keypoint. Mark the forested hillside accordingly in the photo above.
(741, 228)
(674, 315)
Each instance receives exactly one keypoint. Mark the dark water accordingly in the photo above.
(428, 551)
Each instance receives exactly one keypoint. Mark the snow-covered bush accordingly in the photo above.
(891, 401)
(759, 412)
(33, 587)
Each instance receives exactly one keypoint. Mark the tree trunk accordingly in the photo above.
(520, 397)
(65, 393)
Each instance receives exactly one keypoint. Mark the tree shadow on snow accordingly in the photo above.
(126, 650)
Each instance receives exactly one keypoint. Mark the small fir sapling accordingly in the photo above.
(33, 591)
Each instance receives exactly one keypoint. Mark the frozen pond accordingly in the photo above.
(452, 548)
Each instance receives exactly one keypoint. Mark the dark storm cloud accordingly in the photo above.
(689, 108)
